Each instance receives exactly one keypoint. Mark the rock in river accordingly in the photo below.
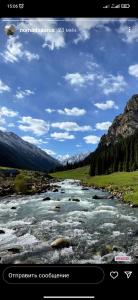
(47, 198)
(13, 207)
(76, 200)
(99, 197)
(14, 250)
(55, 190)
(60, 243)
(2, 231)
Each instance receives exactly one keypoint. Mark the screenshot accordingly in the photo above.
(68, 150)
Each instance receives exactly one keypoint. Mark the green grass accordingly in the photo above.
(6, 168)
(126, 182)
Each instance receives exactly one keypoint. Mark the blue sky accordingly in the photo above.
(62, 85)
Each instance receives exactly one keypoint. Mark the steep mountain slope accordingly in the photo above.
(123, 125)
(16, 153)
(118, 149)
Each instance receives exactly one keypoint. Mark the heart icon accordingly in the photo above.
(114, 274)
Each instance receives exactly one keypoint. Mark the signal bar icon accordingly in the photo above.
(115, 5)
(107, 6)
(128, 274)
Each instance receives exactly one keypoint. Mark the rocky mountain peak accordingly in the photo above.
(124, 124)
(132, 104)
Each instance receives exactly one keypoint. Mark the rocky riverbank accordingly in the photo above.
(30, 183)
(114, 193)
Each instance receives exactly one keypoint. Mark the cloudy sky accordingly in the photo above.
(62, 85)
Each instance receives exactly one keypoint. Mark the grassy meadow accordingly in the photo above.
(125, 183)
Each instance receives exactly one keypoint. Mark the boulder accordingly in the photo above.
(134, 205)
(2, 231)
(116, 248)
(76, 200)
(85, 189)
(57, 207)
(99, 197)
(47, 198)
(55, 190)
(13, 207)
(14, 250)
(60, 243)
(135, 233)
(110, 197)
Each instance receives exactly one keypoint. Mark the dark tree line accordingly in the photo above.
(117, 157)
(121, 156)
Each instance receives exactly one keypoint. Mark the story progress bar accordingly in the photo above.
(69, 297)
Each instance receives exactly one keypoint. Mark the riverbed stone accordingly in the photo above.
(98, 197)
(14, 250)
(13, 207)
(47, 198)
(60, 243)
(55, 190)
(2, 231)
(76, 200)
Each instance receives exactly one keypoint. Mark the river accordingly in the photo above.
(98, 229)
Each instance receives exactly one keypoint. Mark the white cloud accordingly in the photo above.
(77, 79)
(21, 94)
(72, 111)
(108, 82)
(49, 152)
(84, 25)
(4, 111)
(49, 110)
(11, 125)
(61, 136)
(133, 70)
(32, 140)
(47, 30)
(91, 139)
(30, 56)
(36, 126)
(70, 126)
(111, 83)
(106, 105)
(15, 51)
(128, 36)
(2, 121)
(2, 128)
(3, 87)
(103, 125)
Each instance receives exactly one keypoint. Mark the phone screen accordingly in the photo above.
(68, 152)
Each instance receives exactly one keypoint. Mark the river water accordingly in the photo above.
(98, 229)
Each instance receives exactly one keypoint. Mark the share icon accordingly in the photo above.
(128, 274)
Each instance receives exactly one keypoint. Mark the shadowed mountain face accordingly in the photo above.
(123, 125)
(118, 149)
(16, 153)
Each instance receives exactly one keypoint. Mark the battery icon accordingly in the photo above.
(125, 5)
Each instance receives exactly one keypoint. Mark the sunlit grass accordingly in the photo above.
(126, 182)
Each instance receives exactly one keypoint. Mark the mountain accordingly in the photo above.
(17, 153)
(118, 149)
(123, 125)
(75, 158)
